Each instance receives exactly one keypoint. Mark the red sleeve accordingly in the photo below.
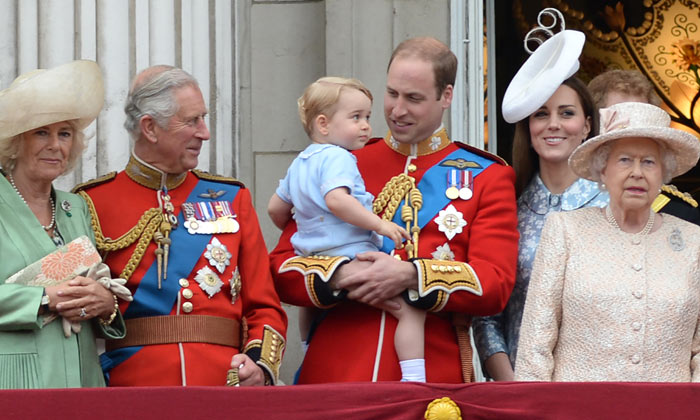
(261, 304)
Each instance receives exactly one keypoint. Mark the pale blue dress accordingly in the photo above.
(316, 171)
(500, 333)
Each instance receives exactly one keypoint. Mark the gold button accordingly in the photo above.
(443, 268)
(450, 269)
(187, 307)
(412, 167)
(458, 269)
(187, 293)
(184, 283)
(434, 267)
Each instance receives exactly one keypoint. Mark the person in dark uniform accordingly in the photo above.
(615, 86)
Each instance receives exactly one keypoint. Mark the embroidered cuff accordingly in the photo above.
(446, 277)
(317, 271)
(267, 353)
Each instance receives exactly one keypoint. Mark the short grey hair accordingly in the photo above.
(599, 160)
(154, 96)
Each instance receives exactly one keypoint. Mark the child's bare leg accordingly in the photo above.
(409, 341)
(306, 319)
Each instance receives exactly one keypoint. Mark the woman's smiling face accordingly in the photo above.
(559, 126)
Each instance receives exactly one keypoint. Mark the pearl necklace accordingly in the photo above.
(644, 231)
(53, 205)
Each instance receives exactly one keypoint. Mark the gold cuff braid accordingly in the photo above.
(323, 266)
(142, 232)
(447, 277)
(271, 351)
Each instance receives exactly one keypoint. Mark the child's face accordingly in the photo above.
(349, 127)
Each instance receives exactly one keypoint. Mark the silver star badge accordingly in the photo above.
(450, 221)
(208, 281)
(218, 255)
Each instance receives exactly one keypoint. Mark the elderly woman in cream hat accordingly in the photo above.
(615, 292)
(42, 115)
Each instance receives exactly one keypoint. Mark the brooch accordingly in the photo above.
(676, 240)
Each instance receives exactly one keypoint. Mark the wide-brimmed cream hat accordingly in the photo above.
(71, 91)
(636, 119)
(541, 75)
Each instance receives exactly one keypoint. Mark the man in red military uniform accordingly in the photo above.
(457, 202)
(190, 246)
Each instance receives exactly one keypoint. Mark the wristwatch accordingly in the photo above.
(45, 302)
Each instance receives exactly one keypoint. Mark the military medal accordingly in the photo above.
(452, 191)
(450, 221)
(208, 281)
(218, 255)
(210, 217)
(235, 283)
(465, 193)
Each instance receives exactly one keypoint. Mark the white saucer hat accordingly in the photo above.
(636, 119)
(71, 91)
(554, 61)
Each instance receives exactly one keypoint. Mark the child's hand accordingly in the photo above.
(393, 231)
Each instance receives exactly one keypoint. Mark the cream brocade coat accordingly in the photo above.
(604, 305)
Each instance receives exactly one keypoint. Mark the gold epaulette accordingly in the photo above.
(445, 277)
(271, 350)
(482, 153)
(673, 190)
(94, 182)
(217, 178)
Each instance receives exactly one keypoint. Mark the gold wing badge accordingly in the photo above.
(460, 163)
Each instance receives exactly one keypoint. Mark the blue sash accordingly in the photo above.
(433, 186)
(185, 251)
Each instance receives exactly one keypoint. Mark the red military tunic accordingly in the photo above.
(240, 288)
(464, 269)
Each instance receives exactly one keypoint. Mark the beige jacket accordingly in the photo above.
(604, 305)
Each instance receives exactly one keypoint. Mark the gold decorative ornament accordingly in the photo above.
(402, 187)
(443, 409)
(321, 265)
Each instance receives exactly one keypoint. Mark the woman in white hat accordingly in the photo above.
(42, 115)
(615, 292)
(553, 113)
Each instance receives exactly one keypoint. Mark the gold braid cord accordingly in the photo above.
(402, 187)
(142, 232)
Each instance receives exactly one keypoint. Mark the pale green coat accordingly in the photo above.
(32, 356)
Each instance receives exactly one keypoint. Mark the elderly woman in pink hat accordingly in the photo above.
(615, 292)
(42, 115)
